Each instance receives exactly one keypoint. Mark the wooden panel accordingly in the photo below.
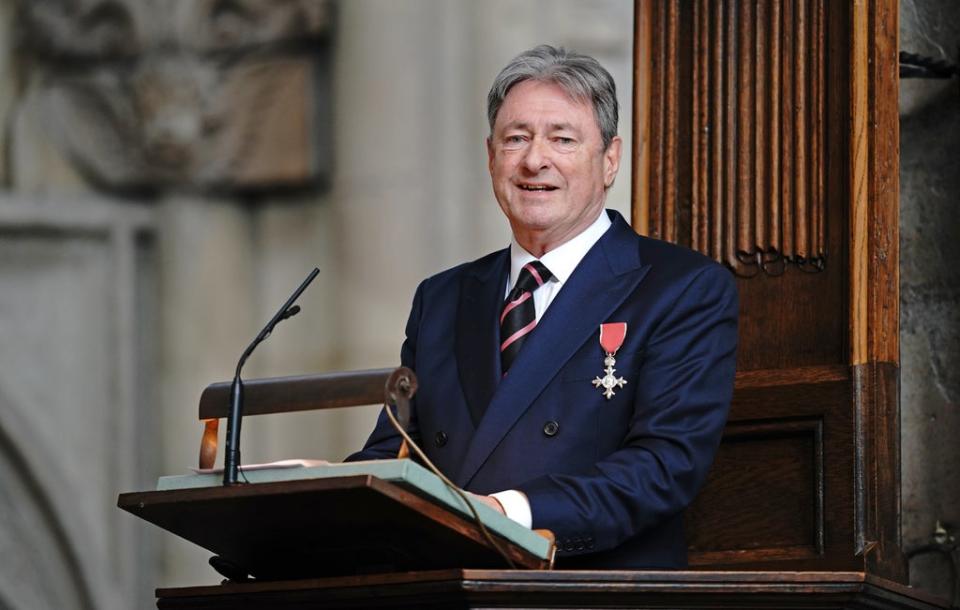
(874, 283)
(640, 168)
(795, 319)
(858, 100)
(755, 102)
(874, 184)
(784, 169)
(766, 500)
(765, 491)
(883, 235)
(878, 447)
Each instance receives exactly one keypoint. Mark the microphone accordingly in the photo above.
(291, 312)
(231, 455)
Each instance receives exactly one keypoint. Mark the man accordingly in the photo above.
(581, 377)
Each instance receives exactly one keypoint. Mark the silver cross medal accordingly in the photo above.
(609, 380)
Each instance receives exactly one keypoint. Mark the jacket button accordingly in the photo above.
(440, 439)
(551, 428)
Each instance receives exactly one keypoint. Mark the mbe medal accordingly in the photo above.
(612, 335)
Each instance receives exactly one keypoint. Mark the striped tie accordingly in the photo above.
(519, 317)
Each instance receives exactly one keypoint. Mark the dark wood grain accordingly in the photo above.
(798, 99)
(743, 184)
(657, 118)
(727, 246)
(876, 398)
(794, 320)
(314, 527)
(764, 492)
(874, 277)
(792, 376)
(766, 499)
(773, 147)
(801, 105)
(883, 232)
(671, 77)
(640, 168)
(716, 79)
(787, 133)
(300, 393)
(759, 123)
(746, 189)
(563, 589)
(818, 165)
(701, 133)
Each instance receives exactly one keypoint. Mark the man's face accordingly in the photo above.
(548, 165)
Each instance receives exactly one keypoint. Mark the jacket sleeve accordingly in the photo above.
(684, 388)
(384, 441)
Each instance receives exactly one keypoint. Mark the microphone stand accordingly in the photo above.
(231, 456)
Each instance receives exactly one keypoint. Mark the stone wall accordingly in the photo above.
(170, 172)
(930, 291)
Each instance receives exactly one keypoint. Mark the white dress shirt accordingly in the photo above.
(561, 261)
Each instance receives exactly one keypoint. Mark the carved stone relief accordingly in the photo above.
(201, 95)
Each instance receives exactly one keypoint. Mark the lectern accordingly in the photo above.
(308, 520)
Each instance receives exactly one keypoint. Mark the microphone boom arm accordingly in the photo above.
(231, 454)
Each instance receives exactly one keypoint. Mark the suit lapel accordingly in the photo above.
(604, 278)
(478, 356)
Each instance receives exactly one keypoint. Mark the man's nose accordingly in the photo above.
(537, 156)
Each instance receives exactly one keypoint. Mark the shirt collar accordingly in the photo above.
(562, 260)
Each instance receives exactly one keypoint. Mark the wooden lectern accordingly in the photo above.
(383, 516)
(312, 527)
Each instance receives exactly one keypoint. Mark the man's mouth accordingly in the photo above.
(537, 187)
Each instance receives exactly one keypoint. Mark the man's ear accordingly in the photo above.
(611, 161)
(489, 155)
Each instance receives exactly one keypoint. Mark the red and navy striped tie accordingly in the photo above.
(519, 317)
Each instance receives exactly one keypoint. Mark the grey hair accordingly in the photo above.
(580, 76)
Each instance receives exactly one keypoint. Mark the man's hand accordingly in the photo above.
(489, 501)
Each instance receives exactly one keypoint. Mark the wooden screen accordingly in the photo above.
(766, 138)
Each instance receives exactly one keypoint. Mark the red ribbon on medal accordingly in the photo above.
(612, 335)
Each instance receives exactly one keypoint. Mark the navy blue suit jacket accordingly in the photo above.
(613, 478)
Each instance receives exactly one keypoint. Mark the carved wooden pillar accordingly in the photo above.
(766, 138)
(738, 112)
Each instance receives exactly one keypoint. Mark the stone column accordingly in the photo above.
(208, 313)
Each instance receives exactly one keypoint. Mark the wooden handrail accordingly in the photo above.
(298, 393)
(305, 393)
